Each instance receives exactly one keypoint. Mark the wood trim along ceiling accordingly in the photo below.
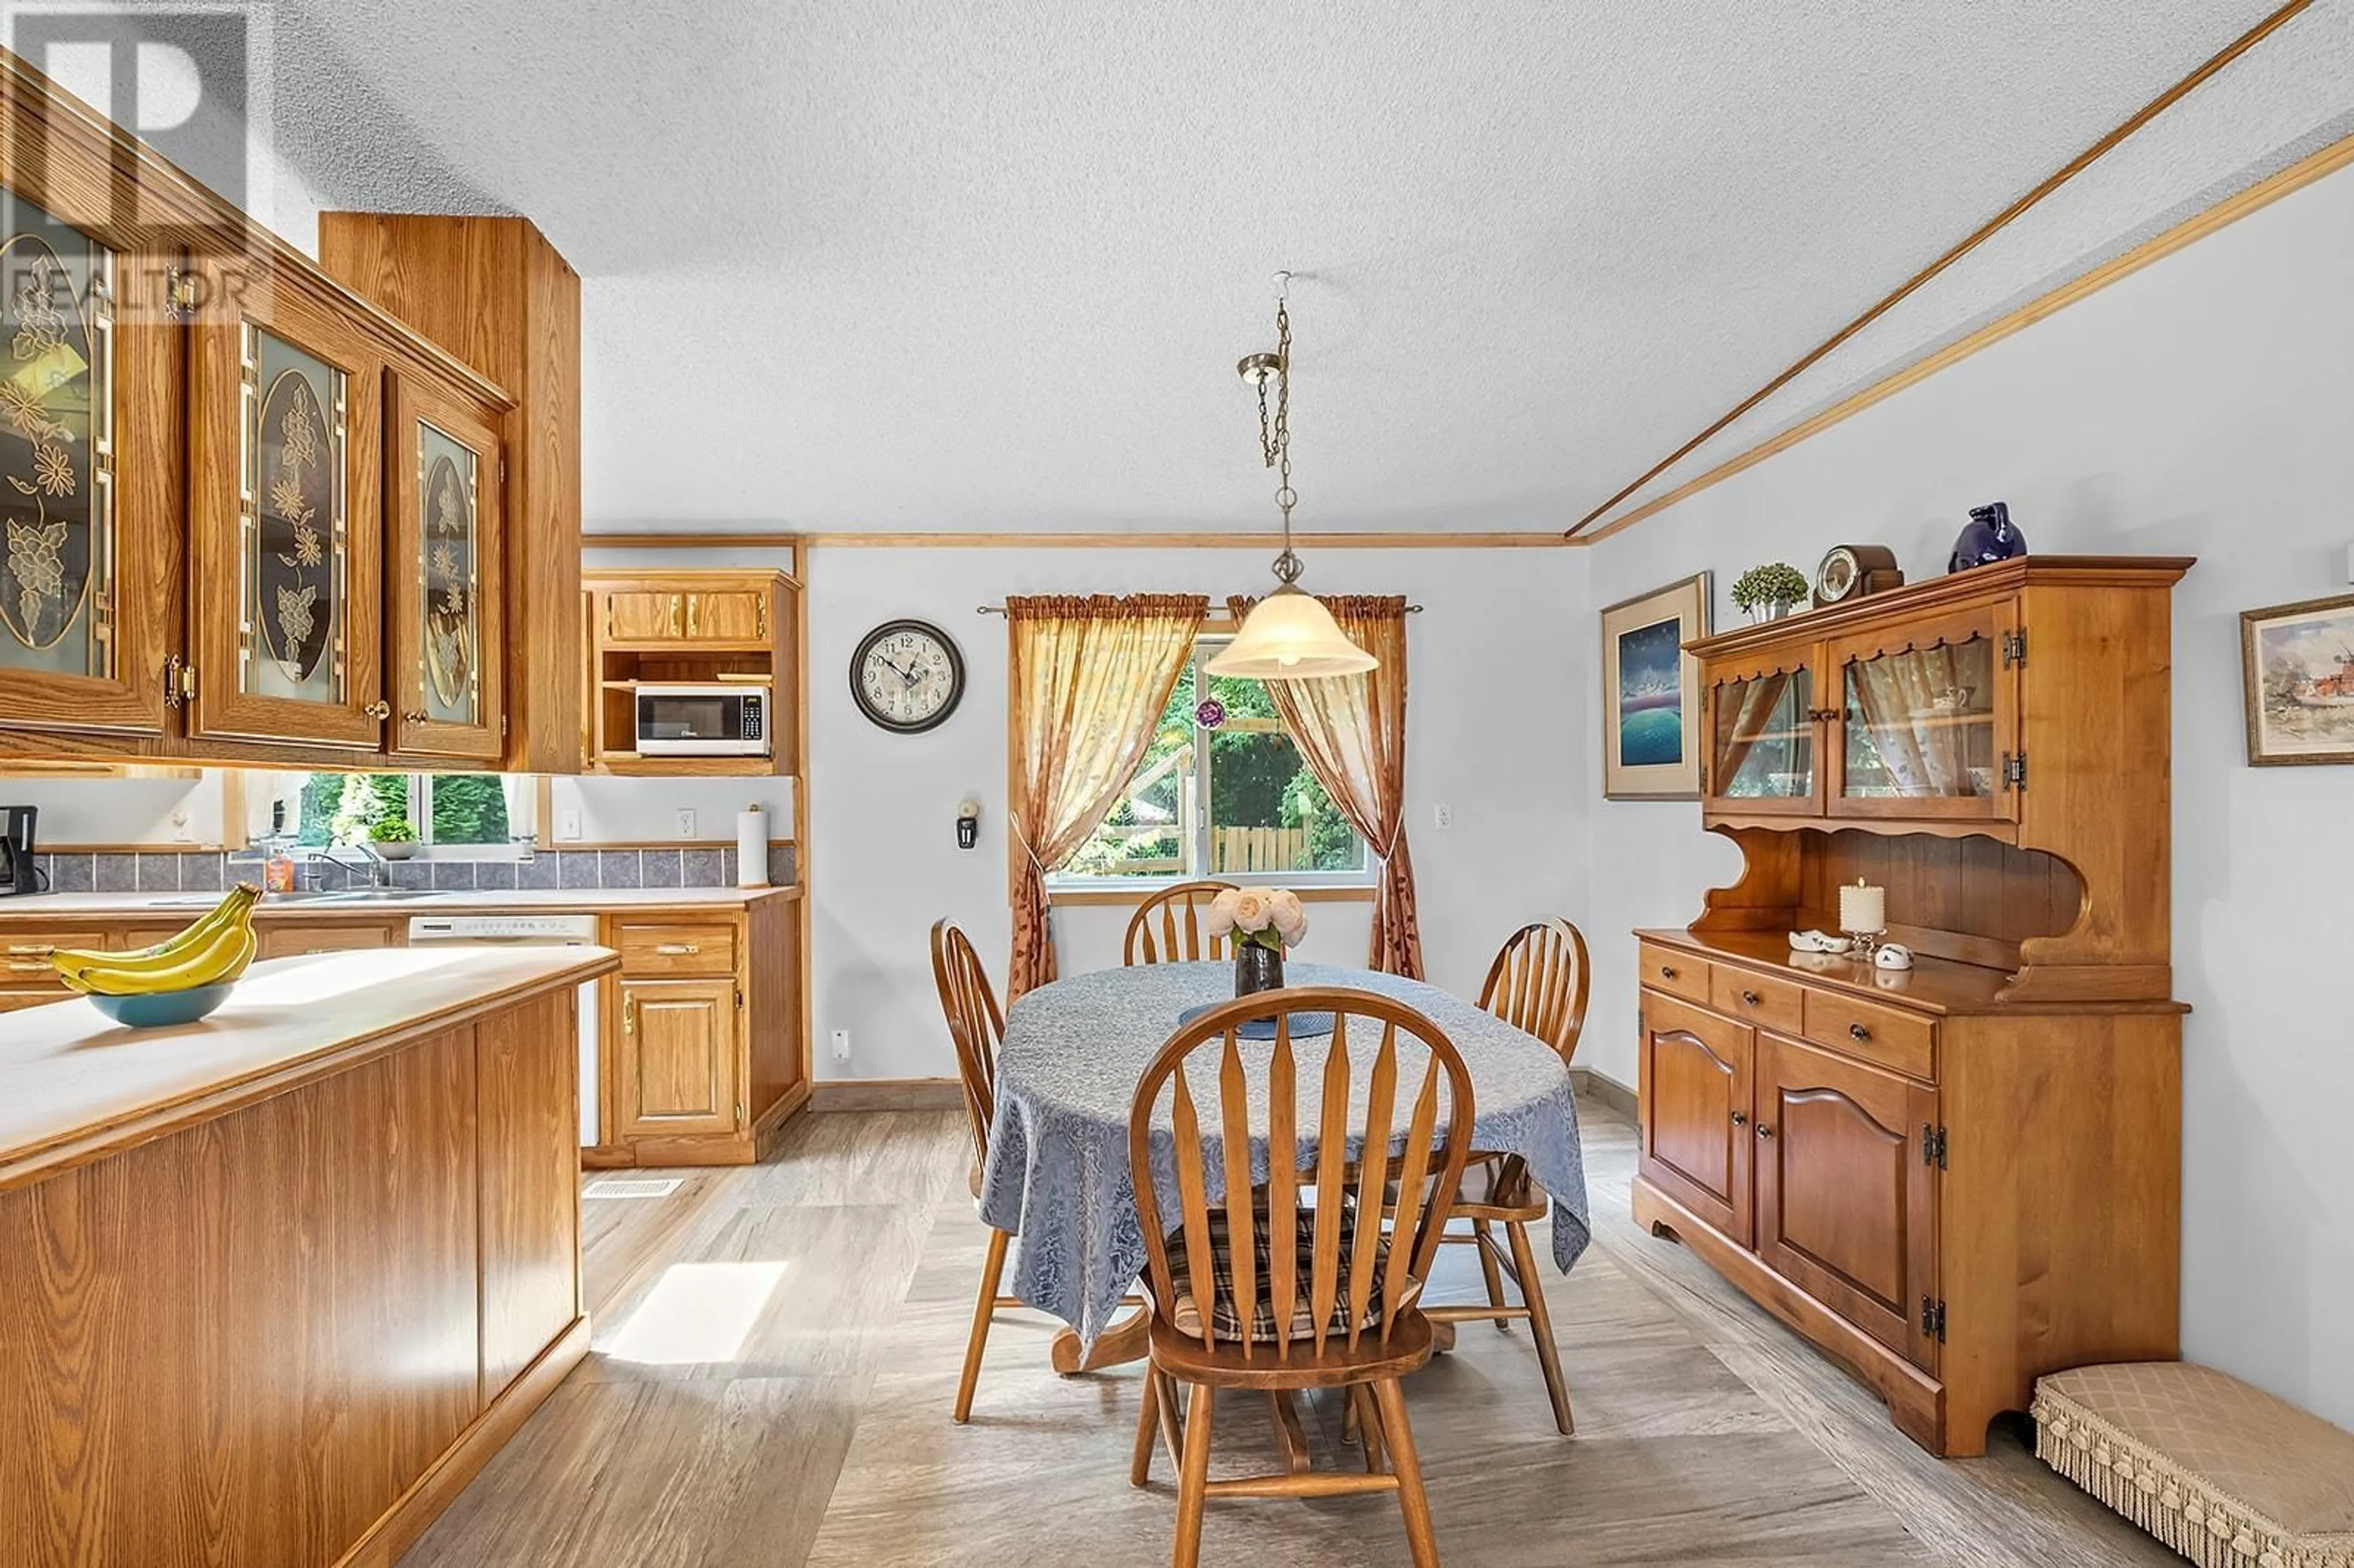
(2297, 176)
(1985, 231)
(1424, 540)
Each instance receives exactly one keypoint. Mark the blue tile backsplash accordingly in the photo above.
(206, 871)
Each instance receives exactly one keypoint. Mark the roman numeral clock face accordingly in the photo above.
(907, 676)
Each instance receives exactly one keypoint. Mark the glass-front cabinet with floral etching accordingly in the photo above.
(442, 567)
(1926, 724)
(286, 446)
(82, 551)
(1764, 735)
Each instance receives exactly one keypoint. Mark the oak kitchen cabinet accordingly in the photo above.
(1960, 1176)
(707, 628)
(252, 516)
(703, 1052)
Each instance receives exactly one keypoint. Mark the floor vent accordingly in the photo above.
(632, 1187)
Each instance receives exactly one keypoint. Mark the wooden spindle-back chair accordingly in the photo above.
(1336, 1307)
(1167, 927)
(1538, 984)
(976, 1028)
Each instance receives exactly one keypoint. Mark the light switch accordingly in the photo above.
(568, 823)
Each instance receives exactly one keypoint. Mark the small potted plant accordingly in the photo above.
(393, 838)
(1769, 592)
(1263, 921)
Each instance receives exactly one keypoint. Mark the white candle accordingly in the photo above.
(1863, 908)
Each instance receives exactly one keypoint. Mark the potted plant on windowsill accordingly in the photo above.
(393, 838)
(1263, 921)
(1769, 592)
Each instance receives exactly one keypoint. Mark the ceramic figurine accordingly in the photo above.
(1894, 956)
(1988, 537)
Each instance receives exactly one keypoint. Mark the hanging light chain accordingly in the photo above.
(1287, 566)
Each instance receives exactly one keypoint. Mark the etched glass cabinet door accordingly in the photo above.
(285, 603)
(84, 546)
(1763, 727)
(1928, 719)
(444, 572)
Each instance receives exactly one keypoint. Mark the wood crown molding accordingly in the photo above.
(1418, 540)
(1977, 237)
(2263, 194)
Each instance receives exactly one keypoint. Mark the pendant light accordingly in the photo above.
(1289, 635)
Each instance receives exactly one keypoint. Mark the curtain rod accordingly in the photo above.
(1000, 610)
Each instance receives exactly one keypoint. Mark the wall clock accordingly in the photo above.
(1851, 571)
(907, 676)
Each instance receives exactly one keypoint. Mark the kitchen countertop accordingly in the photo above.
(47, 907)
(74, 1085)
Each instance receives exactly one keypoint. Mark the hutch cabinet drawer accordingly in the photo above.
(1757, 999)
(1876, 1034)
(1678, 974)
(664, 950)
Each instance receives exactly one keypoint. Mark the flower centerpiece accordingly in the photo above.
(1769, 592)
(1263, 922)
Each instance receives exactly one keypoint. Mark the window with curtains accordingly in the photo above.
(1222, 793)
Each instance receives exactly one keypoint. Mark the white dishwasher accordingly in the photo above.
(531, 931)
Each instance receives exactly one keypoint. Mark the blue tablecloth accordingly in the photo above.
(1059, 1175)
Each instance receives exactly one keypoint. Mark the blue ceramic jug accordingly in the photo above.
(1987, 537)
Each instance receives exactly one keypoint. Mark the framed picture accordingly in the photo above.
(2298, 660)
(1650, 693)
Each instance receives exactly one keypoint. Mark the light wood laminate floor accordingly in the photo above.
(777, 1348)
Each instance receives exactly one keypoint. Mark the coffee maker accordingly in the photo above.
(16, 870)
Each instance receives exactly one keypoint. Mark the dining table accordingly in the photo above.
(1058, 1177)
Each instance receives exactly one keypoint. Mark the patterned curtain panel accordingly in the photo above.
(1089, 676)
(1351, 730)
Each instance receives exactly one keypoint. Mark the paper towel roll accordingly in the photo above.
(752, 847)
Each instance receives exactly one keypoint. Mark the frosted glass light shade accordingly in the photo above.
(1288, 636)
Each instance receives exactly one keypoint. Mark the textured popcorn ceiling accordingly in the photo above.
(908, 264)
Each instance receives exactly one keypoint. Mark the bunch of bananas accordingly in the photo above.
(213, 951)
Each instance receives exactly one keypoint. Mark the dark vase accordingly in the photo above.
(1988, 537)
(1258, 968)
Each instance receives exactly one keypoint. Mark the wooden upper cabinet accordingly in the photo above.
(1846, 1202)
(285, 595)
(1695, 1090)
(1927, 718)
(90, 507)
(643, 616)
(739, 615)
(443, 574)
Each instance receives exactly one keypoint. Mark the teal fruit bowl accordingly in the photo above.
(164, 1008)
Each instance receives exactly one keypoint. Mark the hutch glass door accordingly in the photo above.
(1927, 723)
(1762, 729)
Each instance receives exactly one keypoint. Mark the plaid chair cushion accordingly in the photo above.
(1226, 1321)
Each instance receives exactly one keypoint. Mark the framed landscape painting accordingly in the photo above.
(2298, 660)
(1650, 693)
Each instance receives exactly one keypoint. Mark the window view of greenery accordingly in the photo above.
(1266, 812)
(443, 809)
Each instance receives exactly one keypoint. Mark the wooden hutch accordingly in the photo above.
(1957, 1177)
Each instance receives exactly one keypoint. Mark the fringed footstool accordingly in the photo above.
(2223, 1473)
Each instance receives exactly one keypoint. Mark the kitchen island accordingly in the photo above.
(277, 1284)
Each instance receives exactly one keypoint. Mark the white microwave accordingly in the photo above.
(718, 719)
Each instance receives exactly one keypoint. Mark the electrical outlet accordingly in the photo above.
(841, 1044)
(685, 821)
(568, 823)
(183, 832)
(1442, 816)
